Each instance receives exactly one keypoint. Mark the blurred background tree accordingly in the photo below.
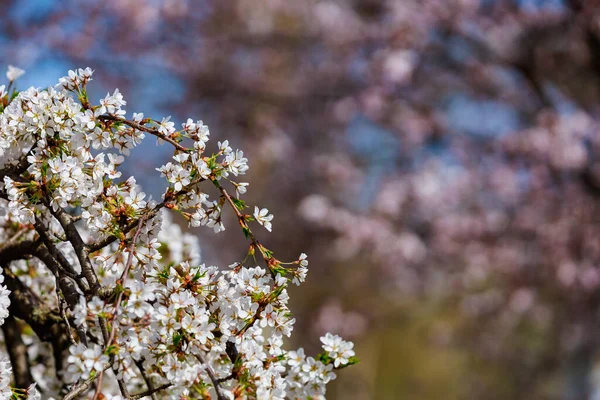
(441, 158)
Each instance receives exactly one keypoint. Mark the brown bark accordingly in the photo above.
(17, 351)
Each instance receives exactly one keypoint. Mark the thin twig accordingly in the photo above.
(99, 386)
(211, 375)
(242, 222)
(150, 392)
(54, 251)
(144, 128)
(113, 331)
(82, 387)
(140, 365)
(68, 224)
(257, 246)
(100, 244)
(121, 280)
(228, 377)
(14, 239)
(63, 314)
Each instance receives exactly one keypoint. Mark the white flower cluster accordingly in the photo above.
(5, 372)
(4, 300)
(143, 314)
(190, 167)
(338, 349)
(6, 392)
(86, 360)
(176, 311)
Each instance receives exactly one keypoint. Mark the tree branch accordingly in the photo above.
(102, 243)
(68, 224)
(17, 351)
(13, 250)
(82, 387)
(45, 322)
(150, 392)
(63, 265)
(144, 128)
(211, 375)
(15, 169)
(140, 365)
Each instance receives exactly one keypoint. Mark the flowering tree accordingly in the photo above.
(486, 191)
(103, 294)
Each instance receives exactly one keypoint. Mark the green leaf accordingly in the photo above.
(268, 253)
(351, 361)
(177, 339)
(239, 204)
(198, 275)
(324, 358)
(277, 291)
(111, 350)
(246, 231)
(280, 271)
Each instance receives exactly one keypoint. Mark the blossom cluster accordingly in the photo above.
(4, 300)
(5, 371)
(138, 310)
(6, 392)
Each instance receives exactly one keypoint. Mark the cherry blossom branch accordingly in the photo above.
(120, 381)
(228, 377)
(63, 315)
(242, 222)
(64, 280)
(120, 281)
(151, 389)
(101, 243)
(255, 317)
(41, 251)
(256, 244)
(64, 272)
(68, 224)
(15, 238)
(99, 385)
(13, 249)
(211, 375)
(66, 286)
(150, 392)
(63, 173)
(82, 387)
(28, 306)
(63, 264)
(144, 128)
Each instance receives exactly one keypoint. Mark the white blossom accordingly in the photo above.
(338, 349)
(4, 300)
(168, 310)
(263, 217)
(14, 73)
